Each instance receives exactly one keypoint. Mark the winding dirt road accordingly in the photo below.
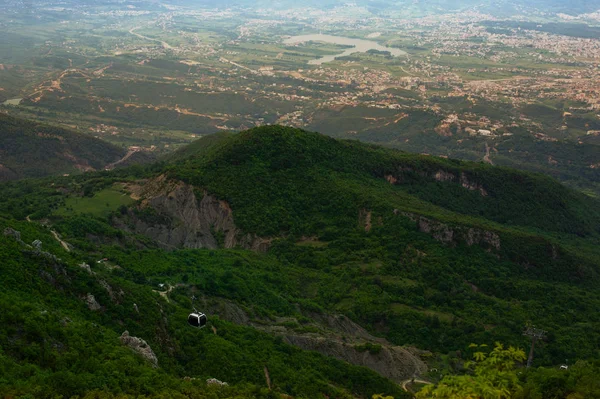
(410, 381)
(64, 244)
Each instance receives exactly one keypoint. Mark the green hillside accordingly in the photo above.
(30, 149)
(199, 147)
(54, 344)
(293, 242)
(280, 178)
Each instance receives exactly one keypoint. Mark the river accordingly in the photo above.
(359, 46)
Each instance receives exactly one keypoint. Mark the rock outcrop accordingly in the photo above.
(175, 215)
(214, 381)
(455, 234)
(91, 302)
(140, 346)
(35, 249)
(440, 175)
(338, 337)
(114, 296)
(10, 232)
(87, 268)
(393, 362)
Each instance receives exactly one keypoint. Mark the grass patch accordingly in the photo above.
(101, 204)
(14, 101)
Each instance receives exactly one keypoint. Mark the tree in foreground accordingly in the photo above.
(490, 376)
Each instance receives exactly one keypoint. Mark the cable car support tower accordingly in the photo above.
(535, 334)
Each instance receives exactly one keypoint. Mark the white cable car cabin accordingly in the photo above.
(197, 320)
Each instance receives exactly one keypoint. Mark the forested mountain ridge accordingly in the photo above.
(31, 149)
(290, 237)
(261, 161)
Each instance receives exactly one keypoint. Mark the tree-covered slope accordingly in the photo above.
(30, 149)
(277, 178)
(363, 250)
(61, 330)
(199, 147)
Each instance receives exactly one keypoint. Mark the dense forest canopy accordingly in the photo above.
(421, 252)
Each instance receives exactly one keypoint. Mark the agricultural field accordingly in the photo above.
(461, 85)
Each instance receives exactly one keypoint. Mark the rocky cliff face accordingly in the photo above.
(442, 232)
(393, 362)
(175, 215)
(440, 175)
(332, 335)
(140, 346)
(453, 235)
(91, 302)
